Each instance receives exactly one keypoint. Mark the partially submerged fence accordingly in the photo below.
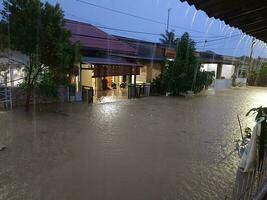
(251, 177)
(5, 97)
(251, 185)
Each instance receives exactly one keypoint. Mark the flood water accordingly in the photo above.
(157, 148)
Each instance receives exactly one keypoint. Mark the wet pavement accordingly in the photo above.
(157, 148)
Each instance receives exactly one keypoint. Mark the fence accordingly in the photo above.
(6, 97)
(251, 185)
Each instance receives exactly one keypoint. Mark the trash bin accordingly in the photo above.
(131, 91)
(142, 89)
(147, 90)
(138, 91)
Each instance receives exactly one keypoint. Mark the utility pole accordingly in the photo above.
(168, 20)
(250, 58)
(205, 42)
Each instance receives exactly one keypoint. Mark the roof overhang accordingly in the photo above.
(250, 16)
(109, 61)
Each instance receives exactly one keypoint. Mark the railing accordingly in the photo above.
(6, 97)
(251, 185)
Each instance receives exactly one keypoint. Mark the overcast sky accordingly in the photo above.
(214, 31)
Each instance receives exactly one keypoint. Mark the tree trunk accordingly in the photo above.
(29, 85)
(28, 98)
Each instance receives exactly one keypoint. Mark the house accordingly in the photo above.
(151, 55)
(103, 57)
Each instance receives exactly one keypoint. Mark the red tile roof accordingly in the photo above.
(91, 37)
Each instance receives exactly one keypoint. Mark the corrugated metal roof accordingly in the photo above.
(91, 37)
(248, 15)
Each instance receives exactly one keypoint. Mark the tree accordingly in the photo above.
(37, 30)
(184, 73)
(262, 75)
(168, 38)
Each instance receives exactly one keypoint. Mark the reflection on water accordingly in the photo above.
(151, 148)
(111, 95)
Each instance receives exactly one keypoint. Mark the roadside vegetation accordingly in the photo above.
(36, 30)
(262, 75)
(184, 73)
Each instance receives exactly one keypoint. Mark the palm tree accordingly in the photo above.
(168, 38)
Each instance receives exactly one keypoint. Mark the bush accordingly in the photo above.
(45, 86)
(183, 74)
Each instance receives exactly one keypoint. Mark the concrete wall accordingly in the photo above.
(19, 97)
(150, 71)
(86, 76)
(142, 78)
(241, 81)
(156, 71)
(222, 83)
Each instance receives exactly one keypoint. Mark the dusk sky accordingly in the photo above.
(214, 31)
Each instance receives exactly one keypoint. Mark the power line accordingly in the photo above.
(230, 48)
(217, 42)
(139, 17)
(120, 30)
(137, 43)
(146, 33)
(114, 38)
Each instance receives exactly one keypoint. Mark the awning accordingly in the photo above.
(250, 16)
(112, 61)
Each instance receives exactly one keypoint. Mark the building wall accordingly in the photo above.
(142, 78)
(19, 97)
(98, 84)
(86, 76)
(223, 83)
(150, 71)
(227, 71)
(156, 70)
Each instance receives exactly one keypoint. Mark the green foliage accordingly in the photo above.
(183, 74)
(252, 78)
(22, 17)
(157, 85)
(262, 76)
(168, 38)
(56, 50)
(45, 85)
(203, 80)
(3, 37)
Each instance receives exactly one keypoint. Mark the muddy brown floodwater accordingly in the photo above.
(157, 148)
